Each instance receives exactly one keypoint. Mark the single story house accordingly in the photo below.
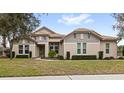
(81, 41)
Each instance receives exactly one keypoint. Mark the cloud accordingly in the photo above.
(89, 21)
(75, 20)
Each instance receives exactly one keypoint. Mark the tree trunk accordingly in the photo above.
(4, 46)
(11, 46)
(4, 41)
(3, 53)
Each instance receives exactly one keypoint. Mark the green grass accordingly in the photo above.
(29, 67)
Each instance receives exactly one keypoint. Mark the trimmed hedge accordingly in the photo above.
(60, 57)
(109, 58)
(84, 57)
(22, 56)
(120, 58)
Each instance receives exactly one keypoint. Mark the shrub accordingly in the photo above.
(100, 54)
(109, 58)
(84, 57)
(22, 56)
(52, 54)
(112, 57)
(120, 58)
(60, 57)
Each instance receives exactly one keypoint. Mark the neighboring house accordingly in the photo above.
(81, 41)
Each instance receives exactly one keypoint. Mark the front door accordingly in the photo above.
(42, 51)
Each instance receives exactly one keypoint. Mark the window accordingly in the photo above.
(23, 49)
(51, 47)
(107, 48)
(81, 48)
(78, 48)
(84, 48)
(20, 49)
(54, 47)
(26, 49)
(82, 36)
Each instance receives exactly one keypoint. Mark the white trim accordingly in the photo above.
(77, 48)
(93, 43)
(42, 42)
(81, 49)
(70, 43)
(23, 49)
(83, 42)
(107, 48)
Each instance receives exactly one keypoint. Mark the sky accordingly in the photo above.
(65, 23)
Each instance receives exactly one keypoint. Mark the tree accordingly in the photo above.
(119, 25)
(17, 25)
(3, 34)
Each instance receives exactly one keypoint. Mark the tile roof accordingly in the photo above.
(53, 34)
(101, 37)
(50, 33)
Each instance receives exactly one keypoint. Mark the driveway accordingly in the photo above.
(70, 77)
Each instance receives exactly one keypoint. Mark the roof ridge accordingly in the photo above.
(44, 27)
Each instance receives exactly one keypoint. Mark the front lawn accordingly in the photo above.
(29, 67)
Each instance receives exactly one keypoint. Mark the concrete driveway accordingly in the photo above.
(70, 77)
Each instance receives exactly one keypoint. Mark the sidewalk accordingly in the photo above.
(70, 77)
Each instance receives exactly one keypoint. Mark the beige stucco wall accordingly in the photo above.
(46, 50)
(94, 45)
(15, 48)
(92, 49)
(113, 49)
(32, 47)
(36, 51)
(61, 49)
(71, 48)
(71, 38)
(70, 44)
